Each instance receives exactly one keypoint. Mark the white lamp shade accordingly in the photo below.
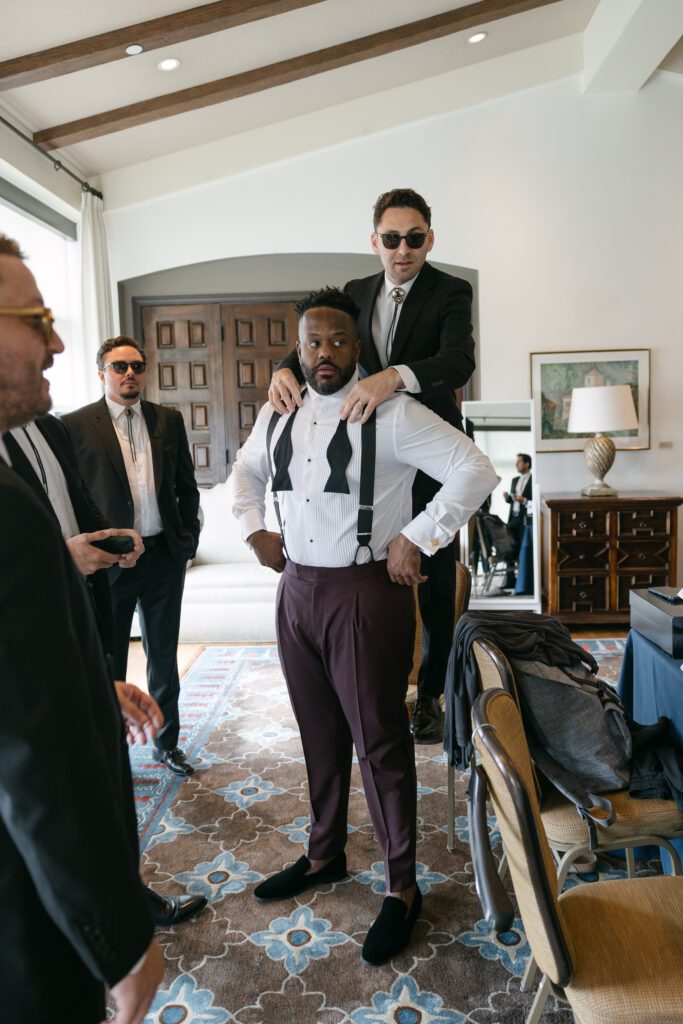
(602, 410)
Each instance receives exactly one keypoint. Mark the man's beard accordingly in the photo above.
(328, 387)
(22, 404)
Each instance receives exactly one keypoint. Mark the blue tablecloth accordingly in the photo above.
(651, 685)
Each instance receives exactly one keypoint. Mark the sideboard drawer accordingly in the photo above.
(643, 555)
(583, 523)
(583, 594)
(645, 522)
(637, 581)
(582, 556)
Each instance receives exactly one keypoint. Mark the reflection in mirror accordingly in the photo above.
(500, 543)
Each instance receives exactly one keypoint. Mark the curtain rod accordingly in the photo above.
(57, 164)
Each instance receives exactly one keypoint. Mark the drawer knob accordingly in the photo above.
(643, 526)
(642, 556)
(583, 525)
(582, 556)
(583, 595)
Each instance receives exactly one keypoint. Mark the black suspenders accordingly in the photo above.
(366, 496)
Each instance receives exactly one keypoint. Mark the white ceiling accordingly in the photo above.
(470, 73)
(42, 23)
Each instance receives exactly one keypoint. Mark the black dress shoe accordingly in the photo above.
(426, 721)
(294, 880)
(174, 909)
(392, 929)
(174, 760)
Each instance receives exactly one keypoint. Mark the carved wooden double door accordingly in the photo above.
(213, 362)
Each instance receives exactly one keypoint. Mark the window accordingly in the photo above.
(55, 264)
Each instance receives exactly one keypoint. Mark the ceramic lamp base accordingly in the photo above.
(599, 454)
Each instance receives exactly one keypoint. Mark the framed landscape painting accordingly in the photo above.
(554, 374)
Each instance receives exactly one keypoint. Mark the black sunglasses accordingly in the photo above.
(120, 366)
(414, 239)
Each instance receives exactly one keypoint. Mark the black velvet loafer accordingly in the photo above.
(426, 721)
(390, 934)
(294, 879)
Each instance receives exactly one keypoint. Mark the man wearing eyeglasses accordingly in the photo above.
(416, 336)
(136, 462)
(74, 912)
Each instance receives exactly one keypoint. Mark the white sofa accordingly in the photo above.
(228, 595)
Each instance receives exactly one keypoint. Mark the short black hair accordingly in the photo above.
(119, 342)
(401, 197)
(527, 458)
(329, 298)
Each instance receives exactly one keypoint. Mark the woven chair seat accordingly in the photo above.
(565, 828)
(627, 950)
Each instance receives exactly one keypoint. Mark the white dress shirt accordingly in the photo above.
(319, 527)
(55, 482)
(382, 316)
(139, 469)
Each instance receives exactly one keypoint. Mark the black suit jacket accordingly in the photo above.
(526, 493)
(433, 337)
(103, 469)
(74, 912)
(88, 516)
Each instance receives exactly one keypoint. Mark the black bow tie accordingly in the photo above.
(339, 452)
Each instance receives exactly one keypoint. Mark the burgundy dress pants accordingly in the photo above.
(345, 639)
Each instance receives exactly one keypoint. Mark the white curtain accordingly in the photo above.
(97, 306)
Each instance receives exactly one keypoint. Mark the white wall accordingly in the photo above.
(569, 206)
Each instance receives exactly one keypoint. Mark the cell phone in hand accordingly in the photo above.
(669, 594)
(116, 545)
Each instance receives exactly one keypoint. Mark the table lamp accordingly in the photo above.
(597, 410)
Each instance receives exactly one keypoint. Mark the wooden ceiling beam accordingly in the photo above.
(292, 70)
(165, 31)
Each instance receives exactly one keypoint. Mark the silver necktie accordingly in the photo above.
(398, 295)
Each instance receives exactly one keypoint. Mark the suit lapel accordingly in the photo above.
(23, 468)
(369, 360)
(107, 434)
(156, 441)
(416, 298)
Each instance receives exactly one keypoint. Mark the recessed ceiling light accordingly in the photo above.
(169, 64)
(134, 49)
(478, 37)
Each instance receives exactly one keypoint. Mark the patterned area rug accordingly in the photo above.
(244, 814)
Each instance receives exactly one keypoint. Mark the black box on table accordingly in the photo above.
(658, 620)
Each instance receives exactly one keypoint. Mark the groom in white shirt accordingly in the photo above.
(349, 553)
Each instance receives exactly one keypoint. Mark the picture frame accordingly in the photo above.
(554, 374)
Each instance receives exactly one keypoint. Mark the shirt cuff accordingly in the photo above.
(426, 534)
(412, 384)
(251, 521)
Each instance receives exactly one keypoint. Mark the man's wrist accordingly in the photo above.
(399, 383)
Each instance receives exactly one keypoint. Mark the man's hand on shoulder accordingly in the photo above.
(133, 995)
(368, 393)
(267, 545)
(403, 562)
(284, 393)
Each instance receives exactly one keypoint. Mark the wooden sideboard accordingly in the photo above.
(595, 550)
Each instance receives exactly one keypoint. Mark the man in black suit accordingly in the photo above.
(416, 335)
(42, 454)
(136, 463)
(74, 913)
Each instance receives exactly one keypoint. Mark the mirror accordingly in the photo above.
(501, 542)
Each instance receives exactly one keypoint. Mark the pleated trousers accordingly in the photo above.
(345, 639)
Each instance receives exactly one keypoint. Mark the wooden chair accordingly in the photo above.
(611, 949)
